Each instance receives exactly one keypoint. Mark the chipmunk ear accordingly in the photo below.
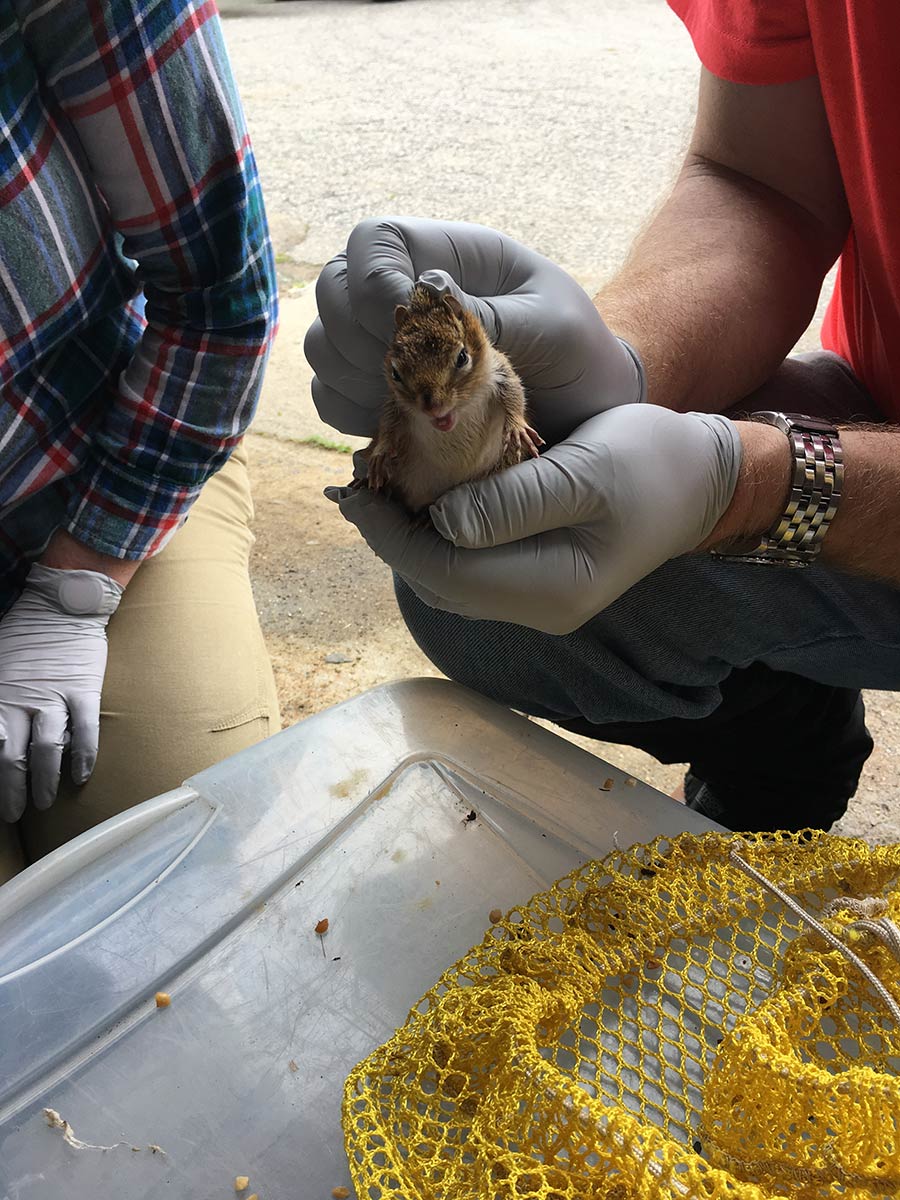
(451, 302)
(401, 312)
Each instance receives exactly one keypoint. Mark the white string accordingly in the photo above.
(833, 941)
(884, 930)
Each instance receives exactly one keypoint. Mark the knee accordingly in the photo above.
(457, 646)
(612, 669)
(499, 660)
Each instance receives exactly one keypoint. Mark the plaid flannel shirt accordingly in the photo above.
(137, 293)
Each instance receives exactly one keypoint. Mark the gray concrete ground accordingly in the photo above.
(556, 120)
(518, 113)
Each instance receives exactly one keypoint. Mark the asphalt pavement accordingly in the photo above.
(558, 120)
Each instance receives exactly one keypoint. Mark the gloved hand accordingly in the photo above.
(553, 541)
(571, 365)
(52, 662)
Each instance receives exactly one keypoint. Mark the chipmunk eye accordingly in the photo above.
(395, 374)
(462, 358)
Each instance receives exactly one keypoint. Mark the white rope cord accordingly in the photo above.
(868, 906)
(875, 927)
(884, 930)
(871, 909)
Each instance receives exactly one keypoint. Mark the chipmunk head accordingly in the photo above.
(437, 359)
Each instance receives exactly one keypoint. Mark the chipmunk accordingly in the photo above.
(455, 409)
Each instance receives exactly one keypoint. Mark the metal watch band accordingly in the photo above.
(816, 484)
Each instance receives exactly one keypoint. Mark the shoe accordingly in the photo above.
(762, 813)
(700, 798)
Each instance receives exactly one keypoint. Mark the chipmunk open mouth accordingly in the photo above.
(445, 422)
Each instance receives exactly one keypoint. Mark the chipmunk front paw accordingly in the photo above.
(525, 440)
(378, 468)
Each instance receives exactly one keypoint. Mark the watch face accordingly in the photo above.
(810, 424)
(771, 418)
(788, 421)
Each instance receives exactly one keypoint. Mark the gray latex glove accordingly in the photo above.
(52, 662)
(571, 365)
(553, 541)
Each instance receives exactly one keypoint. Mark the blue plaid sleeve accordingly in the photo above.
(146, 87)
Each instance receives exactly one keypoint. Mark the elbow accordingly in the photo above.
(266, 322)
(817, 234)
(246, 304)
(562, 622)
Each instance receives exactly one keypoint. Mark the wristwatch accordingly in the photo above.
(816, 483)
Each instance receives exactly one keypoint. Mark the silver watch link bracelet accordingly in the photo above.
(816, 483)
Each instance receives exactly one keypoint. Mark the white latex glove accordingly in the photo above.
(553, 541)
(571, 365)
(52, 662)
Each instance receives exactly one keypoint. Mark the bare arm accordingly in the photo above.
(864, 537)
(727, 275)
(725, 279)
(67, 554)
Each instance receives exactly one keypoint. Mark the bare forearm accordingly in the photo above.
(864, 537)
(865, 534)
(717, 290)
(67, 554)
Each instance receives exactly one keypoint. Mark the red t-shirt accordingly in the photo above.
(854, 48)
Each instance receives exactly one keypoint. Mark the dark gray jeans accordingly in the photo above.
(751, 674)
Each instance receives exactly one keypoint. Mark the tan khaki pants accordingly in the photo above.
(188, 680)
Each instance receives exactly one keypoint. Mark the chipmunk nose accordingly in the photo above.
(427, 399)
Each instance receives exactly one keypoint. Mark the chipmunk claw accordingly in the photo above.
(526, 440)
(377, 470)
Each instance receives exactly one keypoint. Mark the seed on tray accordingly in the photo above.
(495, 915)
(163, 999)
(322, 926)
(241, 1183)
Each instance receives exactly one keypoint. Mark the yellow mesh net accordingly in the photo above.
(658, 1024)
